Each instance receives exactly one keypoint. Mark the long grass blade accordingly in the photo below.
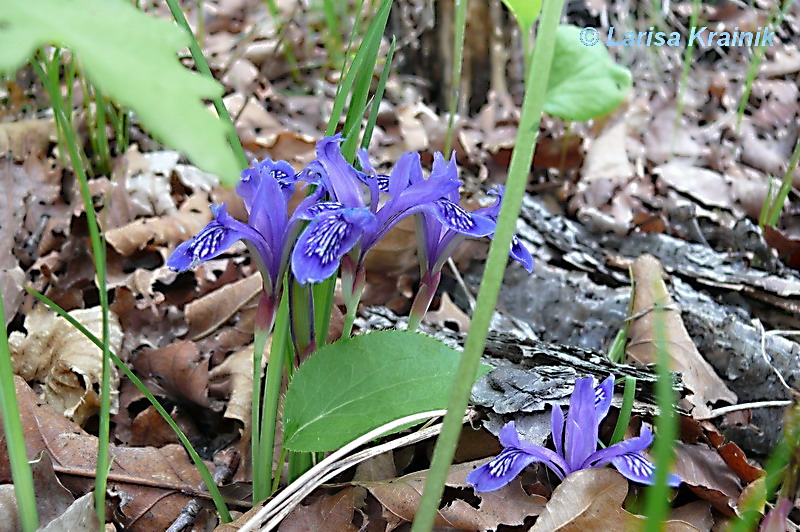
(786, 186)
(521, 158)
(67, 132)
(776, 465)
(455, 75)
(377, 98)
(15, 438)
(657, 495)
(213, 490)
(202, 65)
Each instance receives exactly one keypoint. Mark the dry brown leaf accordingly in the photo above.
(697, 514)
(149, 485)
(591, 499)
(447, 315)
(788, 248)
(8, 509)
(207, 313)
(149, 428)
(79, 517)
(26, 137)
(179, 369)
(234, 378)
(509, 505)
(707, 475)
(708, 187)
(329, 512)
(377, 468)
(698, 375)
(67, 363)
(396, 252)
(192, 216)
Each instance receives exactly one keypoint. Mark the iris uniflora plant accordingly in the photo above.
(323, 234)
(346, 211)
(575, 440)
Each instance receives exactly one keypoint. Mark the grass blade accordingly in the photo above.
(775, 467)
(377, 98)
(657, 495)
(624, 412)
(786, 186)
(67, 132)
(455, 75)
(535, 90)
(15, 439)
(213, 490)
(202, 66)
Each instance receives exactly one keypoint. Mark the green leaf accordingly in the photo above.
(131, 57)
(525, 11)
(585, 82)
(353, 386)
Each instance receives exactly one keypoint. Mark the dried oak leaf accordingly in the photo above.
(234, 378)
(26, 137)
(207, 313)
(509, 505)
(79, 517)
(179, 369)
(788, 248)
(707, 475)
(698, 375)
(192, 216)
(329, 512)
(67, 363)
(591, 499)
(150, 486)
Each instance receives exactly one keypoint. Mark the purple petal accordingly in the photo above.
(520, 253)
(322, 244)
(280, 171)
(778, 518)
(214, 239)
(370, 172)
(268, 214)
(340, 178)
(603, 393)
(509, 437)
(445, 171)
(637, 468)
(500, 470)
(312, 173)
(315, 209)
(631, 445)
(557, 426)
(581, 427)
(452, 216)
(401, 173)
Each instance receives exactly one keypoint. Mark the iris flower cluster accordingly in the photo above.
(575, 441)
(337, 224)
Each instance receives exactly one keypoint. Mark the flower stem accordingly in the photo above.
(422, 301)
(264, 321)
(536, 87)
(272, 394)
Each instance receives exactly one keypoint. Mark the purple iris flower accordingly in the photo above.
(270, 231)
(519, 252)
(575, 441)
(357, 218)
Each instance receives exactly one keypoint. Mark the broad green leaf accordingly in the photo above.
(585, 82)
(352, 386)
(525, 11)
(131, 57)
